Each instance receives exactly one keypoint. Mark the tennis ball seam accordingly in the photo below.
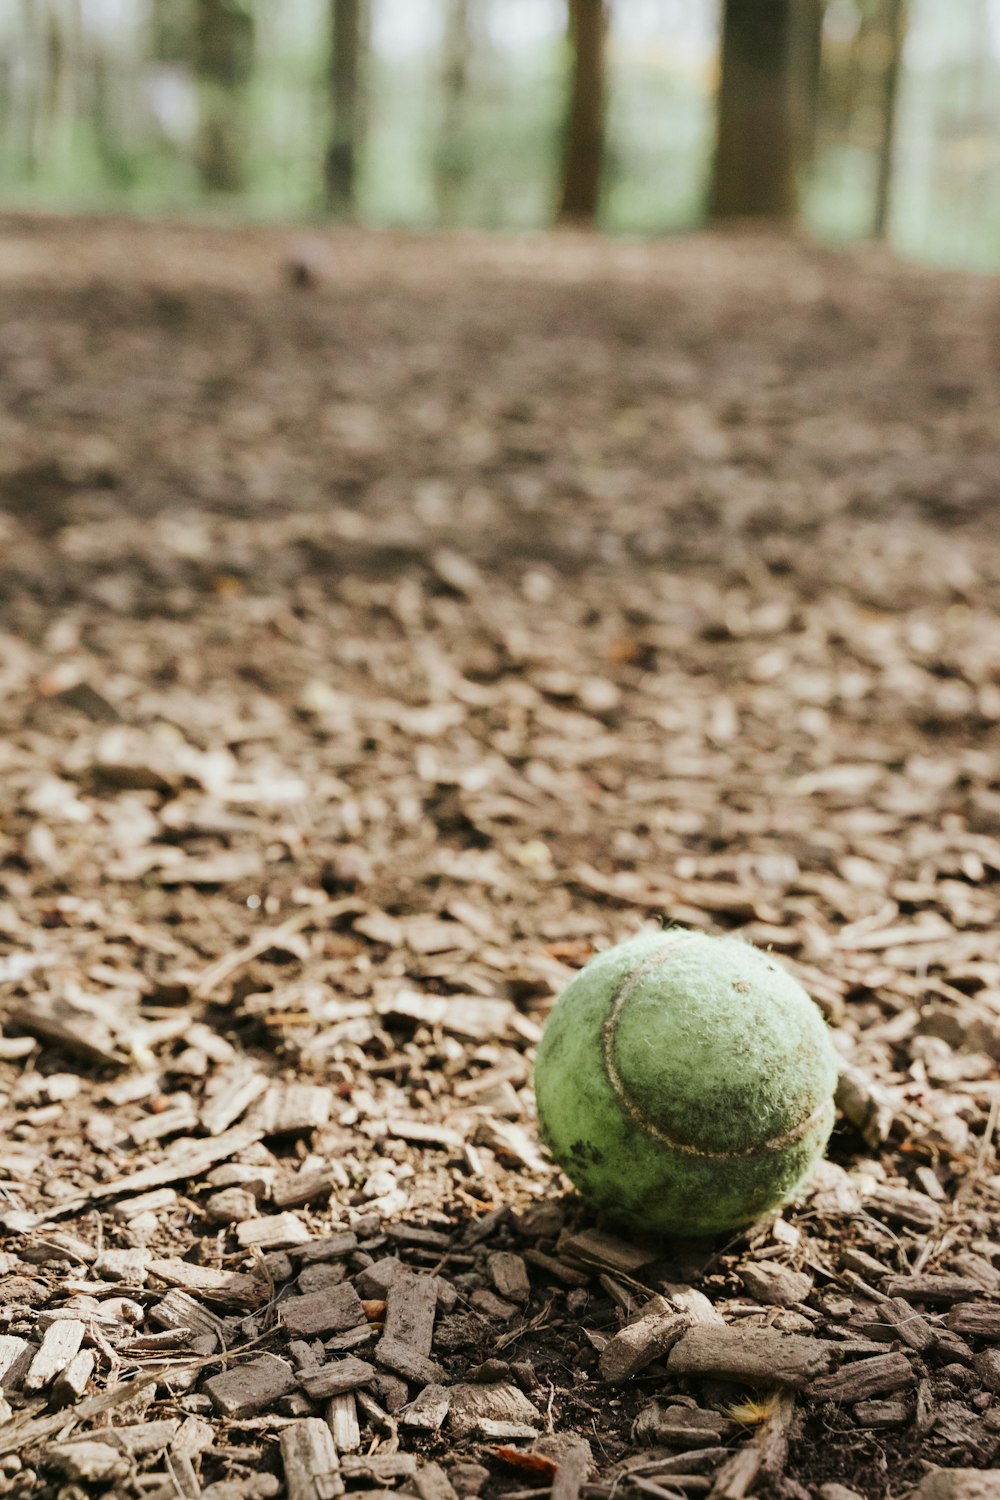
(671, 942)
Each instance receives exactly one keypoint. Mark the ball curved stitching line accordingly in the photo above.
(628, 1106)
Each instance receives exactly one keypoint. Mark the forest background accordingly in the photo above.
(458, 112)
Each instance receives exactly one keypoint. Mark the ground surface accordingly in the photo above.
(384, 627)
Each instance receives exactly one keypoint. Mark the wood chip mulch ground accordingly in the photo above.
(387, 625)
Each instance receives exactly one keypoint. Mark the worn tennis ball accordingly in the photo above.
(685, 1083)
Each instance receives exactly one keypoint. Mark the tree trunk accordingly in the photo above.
(451, 163)
(807, 74)
(588, 29)
(894, 30)
(223, 50)
(754, 168)
(346, 102)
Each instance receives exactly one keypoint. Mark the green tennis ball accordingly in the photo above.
(685, 1083)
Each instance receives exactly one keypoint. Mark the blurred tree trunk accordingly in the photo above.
(223, 55)
(807, 73)
(46, 83)
(588, 29)
(347, 46)
(893, 20)
(755, 155)
(452, 163)
(169, 31)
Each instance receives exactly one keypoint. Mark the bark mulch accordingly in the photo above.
(386, 625)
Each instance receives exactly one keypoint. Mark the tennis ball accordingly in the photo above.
(685, 1083)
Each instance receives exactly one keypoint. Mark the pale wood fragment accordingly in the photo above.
(16, 1355)
(310, 1462)
(342, 1419)
(881, 1414)
(181, 1313)
(276, 1232)
(428, 1412)
(500, 1402)
(774, 1284)
(678, 1426)
(231, 1098)
(753, 1356)
(228, 1288)
(640, 1343)
(60, 1342)
(186, 1161)
(71, 1383)
(593, 1247)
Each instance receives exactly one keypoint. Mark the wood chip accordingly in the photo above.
(276, 1232)
(568, 1275)
(912, 1329)
(88, 1461)
(764, 1454)
(863, 1378)
(959, 1484)
(342, 1419)
(679, 1426)
(904, 1206)
(71, 1382)
(509, 1275)
(326, 1247)
(231, 1097)
(592, 1247)
(60, 1342)
(573, 1459)
(404, 1360)
(937, 1290)
(309, 1460)
(868, 1108)
(640, 1343)
(187, 1162)
(227, 1288)
(428, 1412)
(181, 1313)
(381, 1466)
(330, 1311)
(499, 1403)
(881, 1414)
(410, 1308)
(774, 1284)
(336, 1379)
(145, 1437)
(248, 1389)
(752, 1356)
(432, 1483)
(16, 1355)
(978, 1319)
(293, 1109)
